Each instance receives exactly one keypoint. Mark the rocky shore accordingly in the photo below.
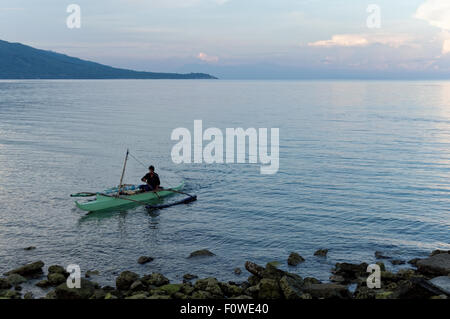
(430, 279)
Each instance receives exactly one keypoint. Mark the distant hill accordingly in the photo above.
(18, 61)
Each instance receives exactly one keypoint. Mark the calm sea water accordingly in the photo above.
(364, 166)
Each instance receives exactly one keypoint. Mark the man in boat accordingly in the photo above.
(152, 180)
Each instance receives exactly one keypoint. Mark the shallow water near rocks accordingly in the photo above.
(364, 167)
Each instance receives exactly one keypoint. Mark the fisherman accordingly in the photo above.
(152, 180)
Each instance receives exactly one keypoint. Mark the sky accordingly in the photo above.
(254, 39)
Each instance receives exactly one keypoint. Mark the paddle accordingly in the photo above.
(175, 191)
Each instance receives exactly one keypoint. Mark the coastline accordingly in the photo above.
(428, 279)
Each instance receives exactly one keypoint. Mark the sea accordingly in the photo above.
(364, 166)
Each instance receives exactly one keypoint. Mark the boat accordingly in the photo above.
(127, 197)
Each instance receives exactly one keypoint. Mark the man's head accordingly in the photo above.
(151, 169)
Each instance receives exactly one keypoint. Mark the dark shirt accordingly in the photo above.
(153, 181)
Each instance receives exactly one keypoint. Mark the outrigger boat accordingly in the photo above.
(125, 195)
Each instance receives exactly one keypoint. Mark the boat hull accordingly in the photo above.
(102, 203)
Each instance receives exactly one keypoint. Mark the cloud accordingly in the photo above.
(177, 3)
(207, 58)
(446, 47)
(435, 12)
(362, 40)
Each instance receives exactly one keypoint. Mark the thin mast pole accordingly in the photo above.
(123, 172)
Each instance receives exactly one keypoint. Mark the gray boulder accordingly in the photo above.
(327, 291)
(200, 253)
(436, 265)
(291, 286)
(86, 290)
(126, 279)
(442, 283)
(321, 252)
(144, 259)
(155, 279)
(269, 289)
(16, 279)
(209, 285)
(294, 259)
(28, 269)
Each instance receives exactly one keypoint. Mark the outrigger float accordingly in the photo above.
(124, 195)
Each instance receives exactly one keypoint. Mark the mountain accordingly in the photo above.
(18, 61)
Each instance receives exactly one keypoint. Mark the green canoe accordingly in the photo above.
(102, 202)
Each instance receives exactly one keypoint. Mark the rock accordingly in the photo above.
(294, 259)
(363, 292)
(91, 273)
(379, 255)
(4, 284)
(179, 296)
(28, 269)
(413, 261)
(291, 286)
(269, 289)
(242, 297)
(189, 277)
(337, 278)
(382, 266)
(436, 265)
(50, 295)
(56, 269)
(252, 291)
(99, 294)
(310, 280)
(28, 295)
(438, 251)
(200, 253)
(201, 295)
(144, 259)
(384, 295)
(86, 290)
(209, 285)
(138, 285)
(56, 279)
(272, 272)
(16, 279)
(254, 269)
(397, 262)
(43, 283)
(350, 272)
(30, 248)
(170, 289)
(186, 289)
(442, 283)
(253, 280)
(9, 294)
(160, 297)
(155, 279)
(327, 291)
(230, 290)
(321, 252)
(109, 296)
(238, 271)
(126, 279)
(416, 288)
(138, 296)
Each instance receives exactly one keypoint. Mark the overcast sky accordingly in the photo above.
(244, 38)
